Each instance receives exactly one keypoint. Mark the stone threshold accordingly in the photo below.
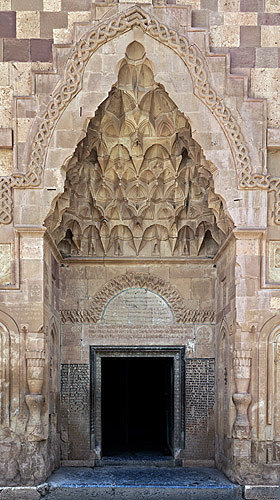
(139, 483)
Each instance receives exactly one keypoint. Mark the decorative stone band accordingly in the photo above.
(140, 280)
(242, 398)
(72, 84)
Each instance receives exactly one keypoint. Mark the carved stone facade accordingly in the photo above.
(140, 219)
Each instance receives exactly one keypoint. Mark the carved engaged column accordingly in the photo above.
(242, 398)
(35, 362)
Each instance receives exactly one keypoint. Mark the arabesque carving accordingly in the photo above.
(138, 183)
(72, 84)
(141, 280)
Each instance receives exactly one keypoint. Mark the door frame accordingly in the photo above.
(175, 352)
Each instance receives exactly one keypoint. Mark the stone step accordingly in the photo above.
(140, 483)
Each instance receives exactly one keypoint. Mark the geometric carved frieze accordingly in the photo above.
(5, 264)
(72, 84)
(137, 280)
(138, 183)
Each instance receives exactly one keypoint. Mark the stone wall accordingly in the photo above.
(247, 30)
(218, 77)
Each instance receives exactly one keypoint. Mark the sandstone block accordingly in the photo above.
(267, 57)
(273, 138)
(8, 24)
(78, 17)
(51, 20)
(28, 24)
(5, 5)
(251, 5)
(6, 161)
(41, 50)
(52, 5)
(269, 19)
(241, 18)
(27, 4)
(271, 5)
(242, 57)
(229, 5)
(224, 36)
(270, 36)
(71, 5)
(250, 36)
(6, 138)
(16, 50)
(209, 4)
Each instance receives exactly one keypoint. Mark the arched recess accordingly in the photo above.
(11, 370)
(215, 128)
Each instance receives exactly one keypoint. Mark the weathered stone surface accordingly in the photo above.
(80, 162)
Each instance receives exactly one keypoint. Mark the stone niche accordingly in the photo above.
(138, 184)
(138, 193)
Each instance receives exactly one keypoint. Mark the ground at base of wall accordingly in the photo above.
(136, 483)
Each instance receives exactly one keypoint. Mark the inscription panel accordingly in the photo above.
(75, 408)
(137, 306)
(200, 400)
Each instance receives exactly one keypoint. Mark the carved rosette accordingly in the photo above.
(242, 397)
(35, 363)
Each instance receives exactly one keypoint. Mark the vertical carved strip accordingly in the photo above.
(242, 398)
(35, 363)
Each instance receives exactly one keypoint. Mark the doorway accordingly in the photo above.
(137, 406)
(137, 402)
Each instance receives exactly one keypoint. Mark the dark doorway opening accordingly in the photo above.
(137, 402)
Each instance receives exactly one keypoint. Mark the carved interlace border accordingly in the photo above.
(138, 280)
(72, 83)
